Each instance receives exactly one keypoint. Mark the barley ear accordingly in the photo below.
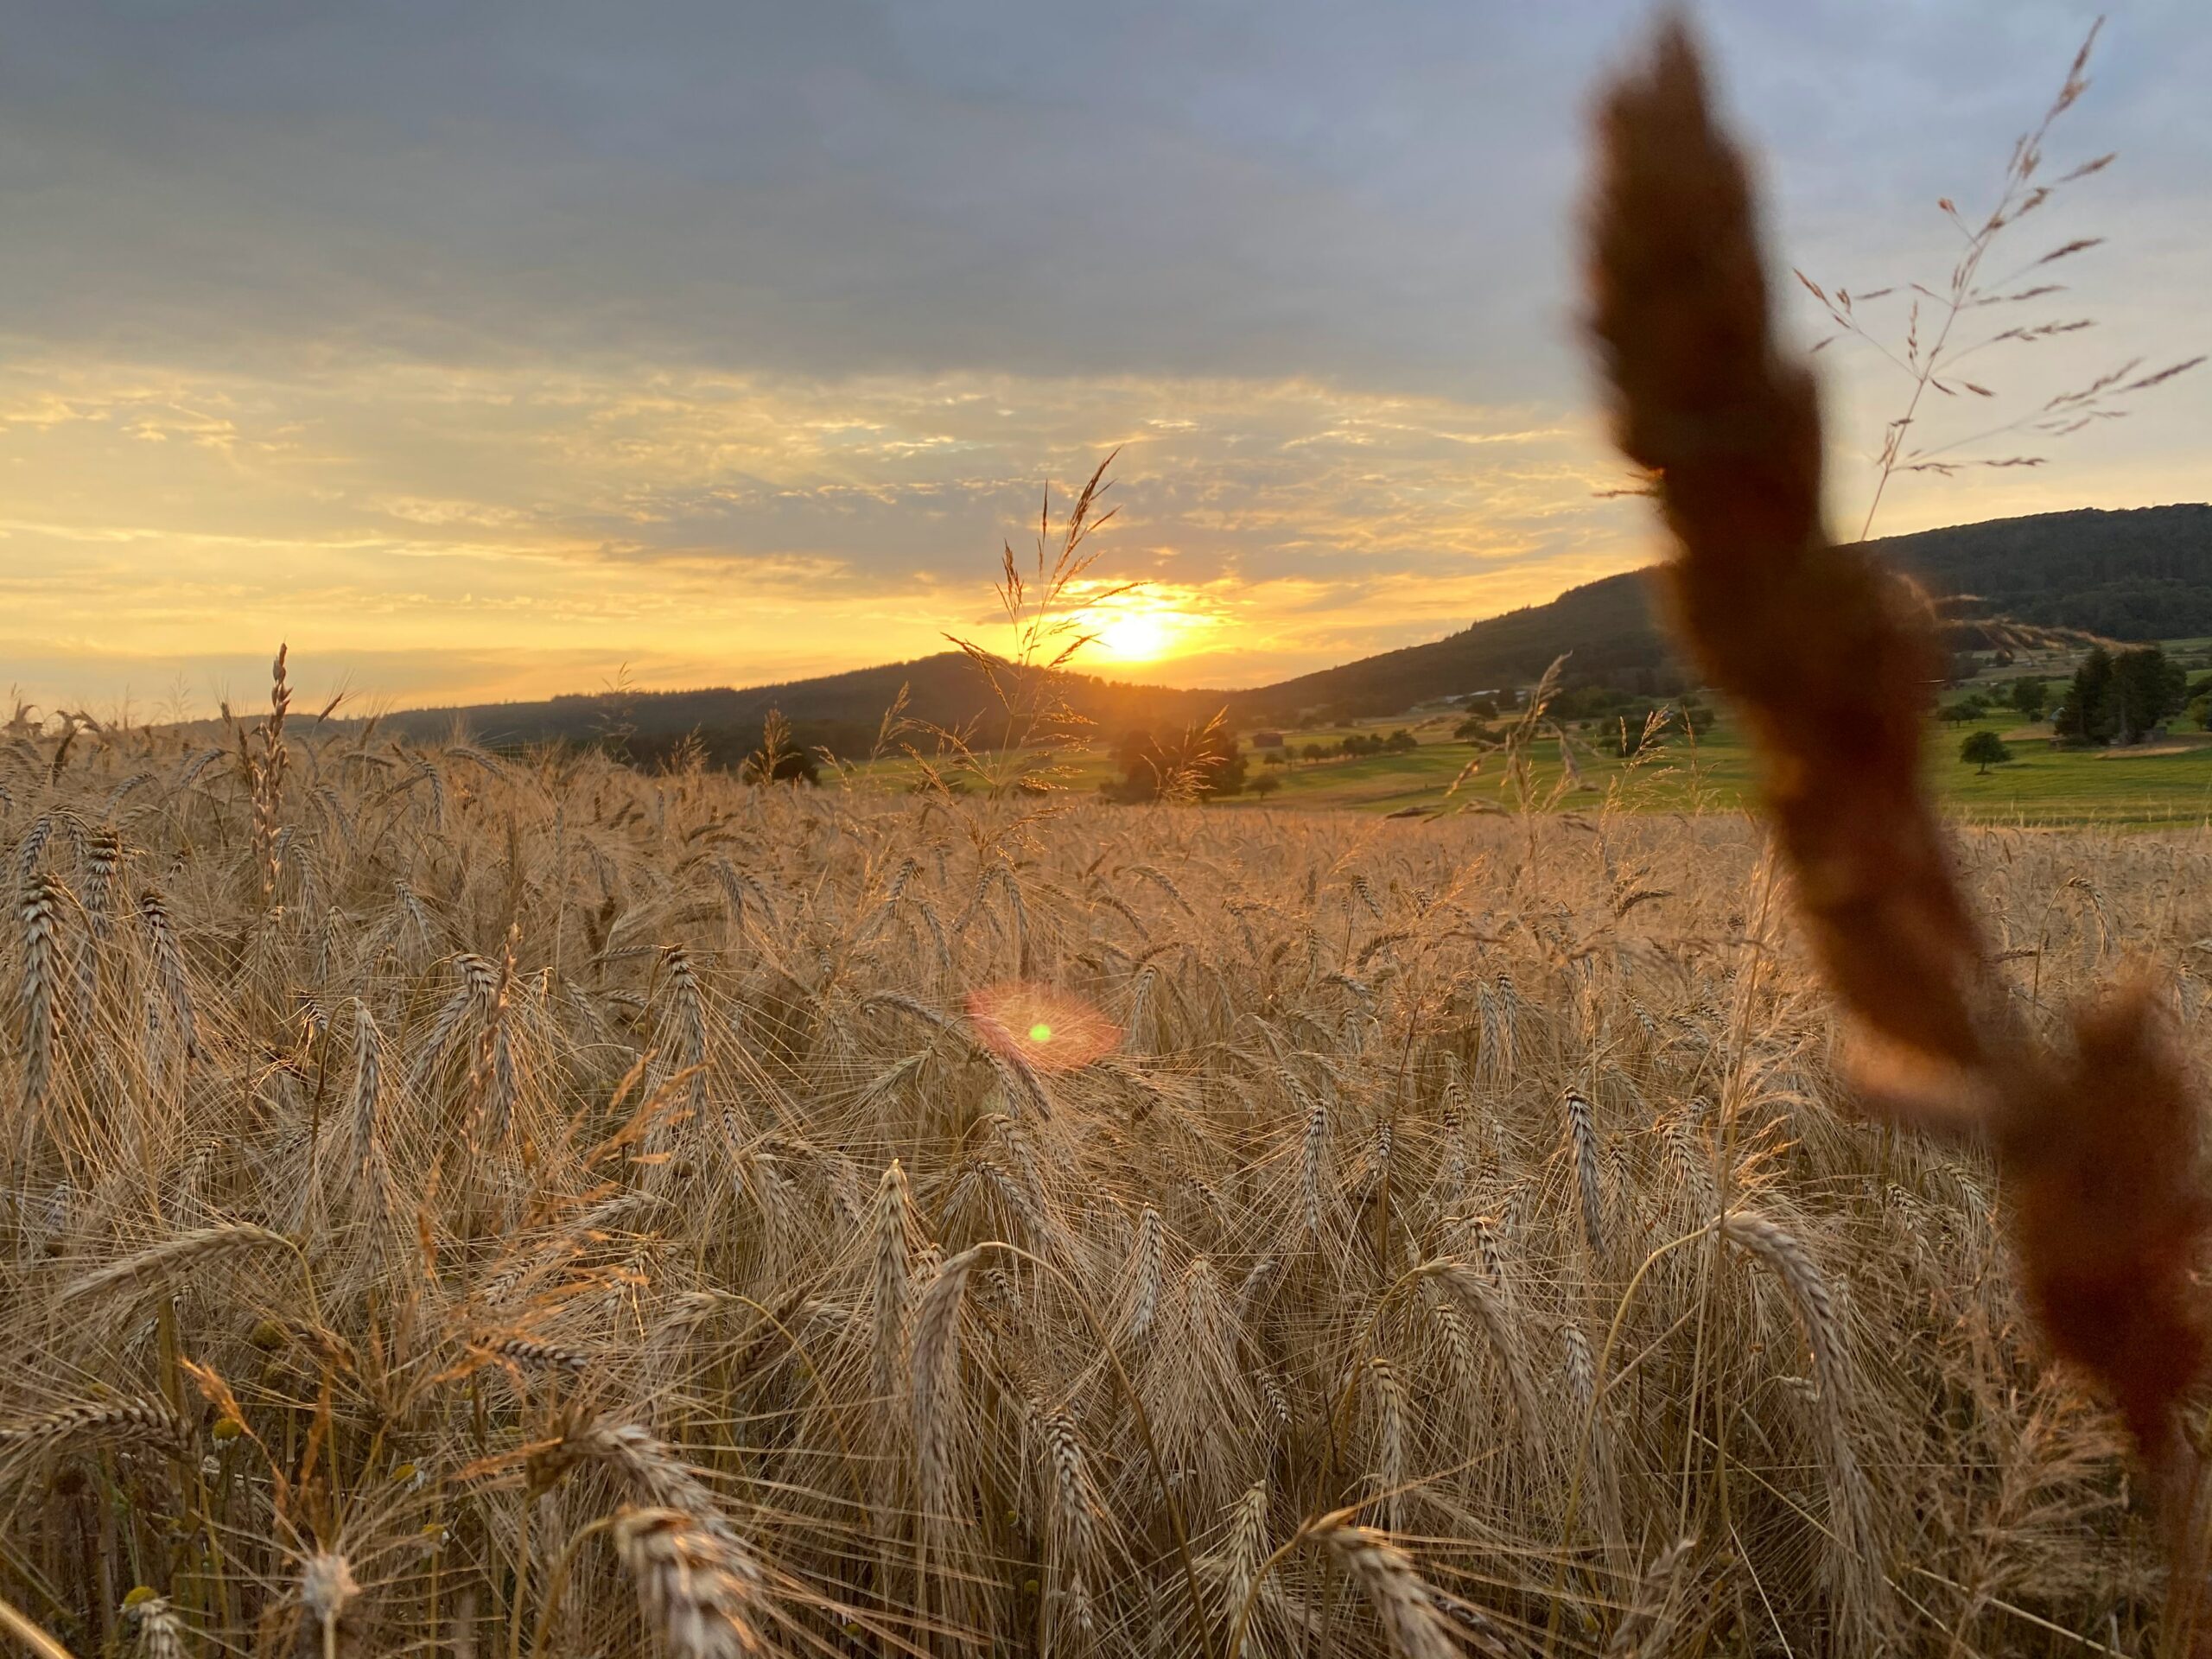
(1401, 1600)
(1828, 655)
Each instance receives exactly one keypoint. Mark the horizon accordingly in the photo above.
(479, 362)
(1134, 679)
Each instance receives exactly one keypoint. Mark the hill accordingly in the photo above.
(1608, 626)
(2141, 574)
(840, 712)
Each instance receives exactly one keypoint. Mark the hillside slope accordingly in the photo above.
(2140, 573)
(843, 712)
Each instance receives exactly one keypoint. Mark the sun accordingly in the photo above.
(1146, 622)
(1133, 636)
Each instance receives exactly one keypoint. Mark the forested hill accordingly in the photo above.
(2145, 574)
(2142, 574)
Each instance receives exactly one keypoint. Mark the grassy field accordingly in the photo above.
(447, 1198)
(2168, 783)
(2165, 785)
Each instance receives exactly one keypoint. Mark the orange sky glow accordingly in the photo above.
(427, 537)
(478, 362)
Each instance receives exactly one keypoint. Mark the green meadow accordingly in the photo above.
(2167, 784)
(1579, 768)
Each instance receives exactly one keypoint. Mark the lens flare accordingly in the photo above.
(1046, 1029)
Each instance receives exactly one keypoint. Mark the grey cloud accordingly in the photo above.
(1377, 195)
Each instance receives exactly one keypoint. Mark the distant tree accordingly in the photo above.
(1274, 756)
(1400, 741)
(2119, 699)
(1475, 730)
(2080, 716)
(1583, 703)
(1214, 755)
(1486, 707)
(1199, 762)
(1136, 749)
(1266, 784)
(1313, 752)
(1973, 706)
(2031, 698)
(1983, 750)
(2149, 689)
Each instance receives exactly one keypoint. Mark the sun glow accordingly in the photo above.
(1136, 636)
(1146, 625)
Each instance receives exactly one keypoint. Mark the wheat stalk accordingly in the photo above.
(1401, 1600)
(160, 1631)
(1584, 1135)
(148, 1422)
(171, 1256)
(330, 1594)
(168, 967)
(935, 1347)
(697, 1592)
(41, 926)
(1813, 640)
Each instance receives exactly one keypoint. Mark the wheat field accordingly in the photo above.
(506, 1206)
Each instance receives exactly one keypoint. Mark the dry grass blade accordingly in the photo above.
(27, 1632)
(1830, 657)
(2113, 1216)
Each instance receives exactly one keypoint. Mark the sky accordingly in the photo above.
(500, 350)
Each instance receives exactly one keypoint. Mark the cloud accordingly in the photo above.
(732, 340)
(1380, 194)
(746, 528)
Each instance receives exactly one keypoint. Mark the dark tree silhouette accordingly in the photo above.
(1983, 750)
